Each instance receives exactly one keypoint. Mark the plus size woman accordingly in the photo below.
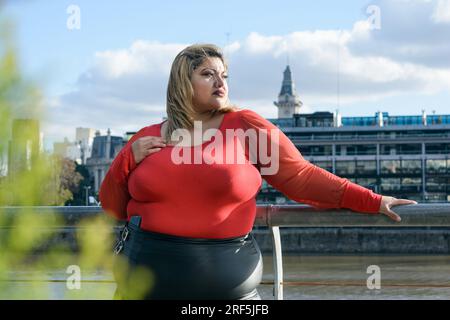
(189, 208)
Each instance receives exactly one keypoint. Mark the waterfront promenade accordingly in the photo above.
(290, 271)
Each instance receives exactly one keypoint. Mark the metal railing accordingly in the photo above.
(276, 216)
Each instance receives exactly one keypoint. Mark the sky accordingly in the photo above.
(112, 71)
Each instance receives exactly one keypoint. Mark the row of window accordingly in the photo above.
(369, 167)
(369, 135)
(395, 120)
(432, 184)
(279, 198)
(371, 149)
(328, 121)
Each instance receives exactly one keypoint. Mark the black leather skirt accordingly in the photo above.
(186, 268)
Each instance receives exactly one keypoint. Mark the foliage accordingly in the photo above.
(34, 259)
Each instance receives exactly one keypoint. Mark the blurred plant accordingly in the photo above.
(33, 256)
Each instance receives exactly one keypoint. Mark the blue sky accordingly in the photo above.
(401, 68)
(45, 42)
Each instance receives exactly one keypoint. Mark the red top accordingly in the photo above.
(218, 200)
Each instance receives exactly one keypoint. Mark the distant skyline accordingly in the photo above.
(392, 56)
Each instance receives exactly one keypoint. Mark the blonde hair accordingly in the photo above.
(179, 104)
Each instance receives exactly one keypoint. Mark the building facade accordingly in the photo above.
(84, 138)
(24, 146)
(67, 149)
(104, 150)
(288, 101)
(400, 156)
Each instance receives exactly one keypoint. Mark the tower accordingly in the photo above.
(288, 102)
(84, 138)
(24, 146)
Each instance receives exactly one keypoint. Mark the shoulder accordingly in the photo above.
(151, 130)
(251, 118)
(244, 114)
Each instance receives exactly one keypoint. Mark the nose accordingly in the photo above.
(219, 81)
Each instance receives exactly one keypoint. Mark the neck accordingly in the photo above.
(203, 116)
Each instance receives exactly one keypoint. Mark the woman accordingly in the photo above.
(189, 222)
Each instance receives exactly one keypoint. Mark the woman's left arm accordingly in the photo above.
(113, 193)
(304, 182)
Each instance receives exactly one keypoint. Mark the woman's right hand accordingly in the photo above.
(388, 202)
(144, 146)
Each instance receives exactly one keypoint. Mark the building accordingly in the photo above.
(104, 150)
(288, 101)
(24, 146)
(85, 138)
(400, 156)
(67, 149)
(79, 150)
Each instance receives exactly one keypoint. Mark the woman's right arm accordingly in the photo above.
(113, 194)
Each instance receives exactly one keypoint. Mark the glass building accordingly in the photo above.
(400, 156)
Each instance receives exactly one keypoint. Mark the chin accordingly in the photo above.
(214, 106)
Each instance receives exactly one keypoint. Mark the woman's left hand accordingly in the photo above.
(388, 202)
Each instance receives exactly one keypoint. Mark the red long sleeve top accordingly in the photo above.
(218, 200)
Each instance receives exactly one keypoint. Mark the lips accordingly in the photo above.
(219, 93)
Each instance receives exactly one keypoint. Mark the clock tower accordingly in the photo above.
(288, 102)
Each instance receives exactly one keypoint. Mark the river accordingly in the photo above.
(307, 277)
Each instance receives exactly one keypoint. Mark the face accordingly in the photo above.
(206, 80)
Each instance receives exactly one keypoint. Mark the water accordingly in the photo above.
(306, 278)
(345, 277)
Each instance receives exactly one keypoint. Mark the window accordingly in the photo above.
(310, 151)
(390, 166)
(369, 183)
(366, 167)
(411, 184)
(327, 165)
(393, 149)
(390, 184)
(436, 166)
(437, 148)
(411, 166)
(436, 184)
(356, 150)
(345, 167)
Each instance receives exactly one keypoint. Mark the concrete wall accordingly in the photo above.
(358, 240)
(297, 241)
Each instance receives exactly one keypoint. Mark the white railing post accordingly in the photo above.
(277, 264)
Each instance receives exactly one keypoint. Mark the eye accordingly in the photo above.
(209, 74)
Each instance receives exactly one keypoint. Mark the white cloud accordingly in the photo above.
(408, 33)
(256, 43)
(441, 13)
(231, 48)
(125, 89)
(141, 58)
